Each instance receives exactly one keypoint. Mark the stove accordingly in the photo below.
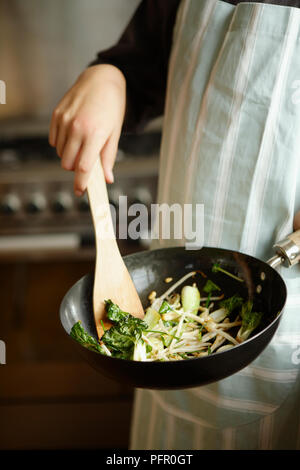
(38, 209)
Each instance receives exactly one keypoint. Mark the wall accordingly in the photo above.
(45, 44)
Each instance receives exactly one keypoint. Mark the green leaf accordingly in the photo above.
(126, 330)
(210, 286)
(114, 312)
(208, 300)
(81, 336)
(126, 323)
(250, 320)
(184, 355)
(232, 303)
(117, 341)
(164, 308)
(216, 267)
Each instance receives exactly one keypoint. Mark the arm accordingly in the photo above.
(88, 120)
(142, 54)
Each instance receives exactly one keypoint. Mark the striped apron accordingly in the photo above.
(231, 141)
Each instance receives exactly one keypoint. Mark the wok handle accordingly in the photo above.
(287, 251)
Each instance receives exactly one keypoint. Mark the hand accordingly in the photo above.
(87, 123)
(297, 221)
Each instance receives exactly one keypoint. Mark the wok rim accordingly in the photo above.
(183, 361)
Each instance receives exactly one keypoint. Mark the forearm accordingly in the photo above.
(142, 55)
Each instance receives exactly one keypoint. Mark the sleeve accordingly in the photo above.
(142, 54)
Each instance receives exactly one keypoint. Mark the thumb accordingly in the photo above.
(296, 223)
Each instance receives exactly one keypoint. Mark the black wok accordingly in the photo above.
(148, 270)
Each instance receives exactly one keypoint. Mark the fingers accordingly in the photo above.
(72, 148)
(108, 156)
(58, 131)
(297, 221)
(79, 146)
(66, 135)
(87, 123)
(53, 129)
(85, 161)
(62, 135)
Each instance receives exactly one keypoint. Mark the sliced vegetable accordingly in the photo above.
(79, 334)
(140, 353)
(165, 307)
(152, 317)
(200, 332)
(208, 300)
(210, 287)
(250, 321)
(120, 345)
(190, 299)
(157, 343)
(170, 316)
(219, 315)
(124, 322)
(216, 267)
(126, 330)
(232, 303)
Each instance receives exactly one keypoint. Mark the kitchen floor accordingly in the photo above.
(49, 397)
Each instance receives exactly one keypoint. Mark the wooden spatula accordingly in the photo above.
(112, 279)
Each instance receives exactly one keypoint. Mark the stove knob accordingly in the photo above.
(63, 202)
(10, 204)
(37, 203)
(83, 204)
(8, 156)
(142, 195)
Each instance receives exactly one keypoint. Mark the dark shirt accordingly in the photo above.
(142, 54)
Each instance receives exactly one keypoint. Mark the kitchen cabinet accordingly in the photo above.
(49, 397)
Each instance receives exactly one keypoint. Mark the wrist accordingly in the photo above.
(109, 72)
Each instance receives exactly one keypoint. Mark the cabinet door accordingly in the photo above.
(49, 397)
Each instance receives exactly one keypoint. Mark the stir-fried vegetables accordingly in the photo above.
(85, 339)
(250, 321)
(232, 303)
(176, 326)
(190, 299)
(125, 333)
(216, 267)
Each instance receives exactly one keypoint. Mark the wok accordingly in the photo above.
(148, 270)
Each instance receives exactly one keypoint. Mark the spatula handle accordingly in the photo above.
(99, 204)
